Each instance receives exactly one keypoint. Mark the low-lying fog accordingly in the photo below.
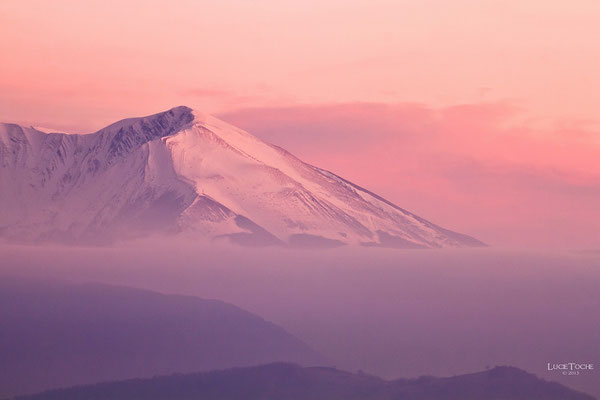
(389, 312)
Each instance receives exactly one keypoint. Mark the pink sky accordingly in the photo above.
(480, 115)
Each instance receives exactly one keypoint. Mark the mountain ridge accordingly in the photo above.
(181, 171)
(285, 381)
(57, 334)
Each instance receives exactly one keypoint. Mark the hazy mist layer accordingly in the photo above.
(389, 312)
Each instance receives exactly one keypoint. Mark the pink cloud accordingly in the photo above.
(480, 168)
(208, 92)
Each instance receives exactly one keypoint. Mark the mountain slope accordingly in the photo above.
(290, 382)
(56, 335)
(183, 172)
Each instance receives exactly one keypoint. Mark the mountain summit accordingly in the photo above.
(183, 172)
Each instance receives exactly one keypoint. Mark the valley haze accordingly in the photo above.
(390, 312)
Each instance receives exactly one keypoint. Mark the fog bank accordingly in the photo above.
(389, 312)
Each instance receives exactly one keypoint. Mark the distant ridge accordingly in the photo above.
(282, 381)
(57, 334)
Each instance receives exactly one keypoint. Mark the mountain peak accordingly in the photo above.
(181, 109)
(186, 172)
(170, 120)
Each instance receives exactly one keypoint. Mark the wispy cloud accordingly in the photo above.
(209, 92)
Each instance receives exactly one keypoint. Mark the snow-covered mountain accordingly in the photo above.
(186, 173)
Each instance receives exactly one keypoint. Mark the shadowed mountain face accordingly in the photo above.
(291, 382)
(182, 172)
(56, 335)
